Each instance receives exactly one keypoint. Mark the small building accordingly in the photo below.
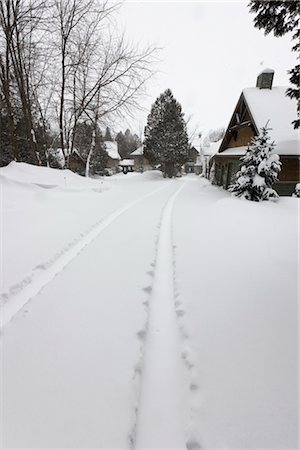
(257, 107)
(56, 159)
(140, 162)
(193, 154)
(126, 165)
(206, 151)
(113, 155)
(76, 163)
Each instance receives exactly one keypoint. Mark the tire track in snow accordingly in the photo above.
(160, 413)
(20, 293)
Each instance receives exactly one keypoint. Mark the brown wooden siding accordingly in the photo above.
(242, 139)
(76, 164)
(226, 168)
(290, 170)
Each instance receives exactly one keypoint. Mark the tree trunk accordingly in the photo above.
(62, 99)
(93, 144)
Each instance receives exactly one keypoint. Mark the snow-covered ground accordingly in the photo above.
(140, 312)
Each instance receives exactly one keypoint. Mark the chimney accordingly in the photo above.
(265, 79)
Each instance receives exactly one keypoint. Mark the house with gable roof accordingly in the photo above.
(113, 155)
(257, 107)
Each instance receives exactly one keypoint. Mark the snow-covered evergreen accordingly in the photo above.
(166, 139)
(297, 191)
(259, 171)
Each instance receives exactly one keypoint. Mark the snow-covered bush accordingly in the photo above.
(297, 191)
(259, 171)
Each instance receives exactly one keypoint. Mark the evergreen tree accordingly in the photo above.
(281, 17)
(127, 143)
(100, 156)
(260, 170)
(166, 139)
(120, 138)
(108, 136)
(297, 191)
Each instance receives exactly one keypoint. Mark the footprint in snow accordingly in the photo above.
(146, 303)
(193, 445)
(180, 312)
(147, 289)
(142, 334)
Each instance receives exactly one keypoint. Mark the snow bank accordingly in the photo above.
(46, 177)
(237, 275)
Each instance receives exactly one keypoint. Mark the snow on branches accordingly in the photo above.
(259, 171)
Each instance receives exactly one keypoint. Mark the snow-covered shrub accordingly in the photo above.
(259, 171)
(297, 190)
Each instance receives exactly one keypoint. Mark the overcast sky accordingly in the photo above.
(210, 52)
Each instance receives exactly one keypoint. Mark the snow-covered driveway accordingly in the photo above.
(147, 326)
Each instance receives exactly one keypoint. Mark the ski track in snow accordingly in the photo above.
(160, 380)
(16, 297)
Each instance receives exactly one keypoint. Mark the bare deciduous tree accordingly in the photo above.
(66, 57)
(19, 20)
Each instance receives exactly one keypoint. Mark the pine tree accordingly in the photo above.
(297, 191)
(166, 139)
(127, 143)
(259, 171)
(281, 17)
(108, 136)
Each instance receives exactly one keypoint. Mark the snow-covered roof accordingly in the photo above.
(212, 149)
(112, 149)
(196, 142)
(274, 107)
(266, 70)
(138, 152)
(126, 162)
(234, 151)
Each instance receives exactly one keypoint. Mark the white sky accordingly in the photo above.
(210, 52)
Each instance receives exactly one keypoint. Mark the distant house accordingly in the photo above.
(140, 162)
(113, 155)
(208, 150)
(256, 107)
(126, 165)
(77, 163)
(202, 159)
(193, 154)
